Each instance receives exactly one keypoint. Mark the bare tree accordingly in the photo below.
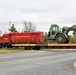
(29, 27)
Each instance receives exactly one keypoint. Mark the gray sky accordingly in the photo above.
(42, 13)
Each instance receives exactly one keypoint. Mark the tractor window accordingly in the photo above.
(54, 29)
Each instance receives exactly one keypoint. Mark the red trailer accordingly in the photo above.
(23, 39)
(28, 40)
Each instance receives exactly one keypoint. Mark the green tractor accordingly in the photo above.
(60, 36)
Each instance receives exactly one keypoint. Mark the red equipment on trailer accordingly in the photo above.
(22, 39)
(26, 37)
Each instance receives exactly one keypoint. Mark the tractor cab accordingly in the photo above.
(54, 29)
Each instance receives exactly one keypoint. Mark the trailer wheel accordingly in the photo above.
(27, 48)
(38, 48)
(60, 38)
(34, 48)
(0, 45)
(9, 46)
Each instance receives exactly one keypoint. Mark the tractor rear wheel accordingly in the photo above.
(60, 38)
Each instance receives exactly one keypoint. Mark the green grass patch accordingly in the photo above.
(6, 51)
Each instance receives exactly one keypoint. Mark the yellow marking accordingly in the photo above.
(27, 36)
(63, 45)
(5, 38)
(49, 45)
(74, 65)
(22, 36)
(24, 44)
(17, 36)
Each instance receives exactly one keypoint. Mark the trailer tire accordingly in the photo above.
(0, 45)
(27, 48)
(38, 48)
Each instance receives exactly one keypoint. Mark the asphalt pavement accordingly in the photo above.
(45, 62)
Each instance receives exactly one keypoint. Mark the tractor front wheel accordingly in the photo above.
(60, 38)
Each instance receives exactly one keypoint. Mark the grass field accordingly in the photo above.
(7, 51)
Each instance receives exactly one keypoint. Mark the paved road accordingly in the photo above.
(39, 63)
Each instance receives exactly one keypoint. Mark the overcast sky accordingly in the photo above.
(42, 13)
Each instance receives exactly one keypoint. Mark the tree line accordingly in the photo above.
(28, 27)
